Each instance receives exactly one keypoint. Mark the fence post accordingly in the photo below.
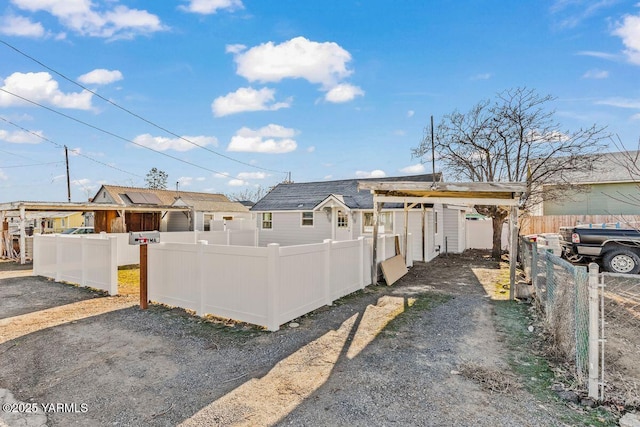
(256, 241)
(273, 286)
(594, 339)
(361, 263)
(36, 254)
(113, 265)
(59, 266)
(200, 276)
(551, 286)
(228, 237)
(326, 271)
(83, 260)
(534, 265)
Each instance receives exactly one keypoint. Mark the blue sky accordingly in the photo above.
(227, 95)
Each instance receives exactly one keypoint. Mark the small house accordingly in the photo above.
(310, 212)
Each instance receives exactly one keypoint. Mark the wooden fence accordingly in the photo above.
(552, 223)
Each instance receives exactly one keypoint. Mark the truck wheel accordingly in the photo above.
(621, 261)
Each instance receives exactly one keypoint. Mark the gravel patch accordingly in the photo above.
(383, 356)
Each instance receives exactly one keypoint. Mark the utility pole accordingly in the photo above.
(66, 157)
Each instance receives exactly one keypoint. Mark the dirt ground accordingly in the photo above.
(398, 355)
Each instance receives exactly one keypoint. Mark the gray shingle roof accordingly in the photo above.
(307, 195)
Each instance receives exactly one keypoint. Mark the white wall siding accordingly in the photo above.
(450, 227)
(287, 229)
(177, 221)
(415, 230)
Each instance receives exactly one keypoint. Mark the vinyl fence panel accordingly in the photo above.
(234, 283)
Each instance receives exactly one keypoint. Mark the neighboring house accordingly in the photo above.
(302, 213)
(208, 212)
(147, 209)
(608, 188)
(46, 222)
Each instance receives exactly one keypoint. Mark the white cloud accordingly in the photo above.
(252, 175)
(376, 173)
(483, 76)
(601, 55)
(208, 7)
(221, 175)
(82, 17)
(595, 74)
(83, 182)
(344, 92)
(620, 103)
(247, 99)
(413, 169)
(3, 176)
(20, 137)
(100, 76)
(41, 88)
(162, 143)
(400, 132)
(311, 149)
(635, 117)
(185, 181)
(629, 32)
(20, 26)
(238, 183)
(326, 177)
(410, 113)
(273, 139)
(320, 63)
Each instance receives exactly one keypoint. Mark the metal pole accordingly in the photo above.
(594, 339)
(433, 154)
(66, 157)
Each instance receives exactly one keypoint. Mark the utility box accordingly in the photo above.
(143, 237)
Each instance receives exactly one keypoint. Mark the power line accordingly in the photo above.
(35, 164)
(76, 152)
(134, 114)
(113, 134)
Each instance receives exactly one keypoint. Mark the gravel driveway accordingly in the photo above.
(383, 356)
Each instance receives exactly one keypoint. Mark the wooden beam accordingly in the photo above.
(470, 201)
(513, 249)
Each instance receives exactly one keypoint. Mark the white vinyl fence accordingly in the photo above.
(267, 286)
(264, 286)
(130, 254)
(85, 260)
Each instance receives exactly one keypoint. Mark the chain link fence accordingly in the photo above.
(593, 320)
(620, 305)
(562, 296)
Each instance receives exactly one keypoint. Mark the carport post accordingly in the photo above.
(513, 249)
(23, 239)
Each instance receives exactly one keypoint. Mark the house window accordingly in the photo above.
(343, 220)
(385, 222)
(307, 219)
(267, 220)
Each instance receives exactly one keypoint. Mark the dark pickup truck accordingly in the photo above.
(617, 249)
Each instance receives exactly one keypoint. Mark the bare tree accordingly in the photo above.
(512, 138)
(249, 194)
(156, 179)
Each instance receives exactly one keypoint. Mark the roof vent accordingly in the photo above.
(300, 205)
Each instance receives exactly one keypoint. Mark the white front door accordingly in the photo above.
(342, 223)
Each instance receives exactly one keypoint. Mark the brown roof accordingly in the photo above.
(134, 196)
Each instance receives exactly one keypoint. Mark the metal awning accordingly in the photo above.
(459, 193)
(23, 207)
